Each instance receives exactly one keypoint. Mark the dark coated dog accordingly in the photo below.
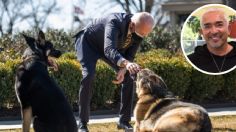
(157, 110)
(41, 99)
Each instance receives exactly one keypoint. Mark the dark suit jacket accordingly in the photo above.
(106, 35)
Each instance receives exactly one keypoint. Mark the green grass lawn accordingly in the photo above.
(220, 124)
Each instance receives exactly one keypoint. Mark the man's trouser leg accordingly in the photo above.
(126, 94)
(88, 59)
(85, 93)
(126, 99)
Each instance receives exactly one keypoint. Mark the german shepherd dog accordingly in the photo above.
(157, 110)
(39, 96)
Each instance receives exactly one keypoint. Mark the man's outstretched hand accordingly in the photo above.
(133, 68)
(120, 76)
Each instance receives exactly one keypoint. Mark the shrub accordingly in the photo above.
(69, 55)
(180, 77)
(204, 86)
(15, 45)
(162, 38)
(177, 74)
(68, 78)
(229, 90)
(175, 71)
(60, 39)
(104, 89)
(13, 48)
(7, 78)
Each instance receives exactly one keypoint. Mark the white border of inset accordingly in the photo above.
(182, 47)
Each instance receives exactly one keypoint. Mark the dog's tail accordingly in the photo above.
(206, 124)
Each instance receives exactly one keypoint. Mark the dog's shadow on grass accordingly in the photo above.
(224, 130)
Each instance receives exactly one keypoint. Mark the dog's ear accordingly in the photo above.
(157, 86)
(41, 38)
(153, 78)
(158, 81)
(30, 41)
(153, 83)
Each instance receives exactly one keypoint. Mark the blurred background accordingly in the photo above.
(63, 18)
(70, 15)
(160, 50)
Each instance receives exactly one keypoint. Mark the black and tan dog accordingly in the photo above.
(158, 111)
(40, 97)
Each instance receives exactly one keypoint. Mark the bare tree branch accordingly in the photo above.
(14, 11)
(137, 8)
(12, 15)
(122, 4)
(127, 6)
(151, 6)
(141, 5)
(1, 18)
(49, 10)
(137, 5)
(148, 6)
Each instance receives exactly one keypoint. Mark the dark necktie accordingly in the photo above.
(127, 41)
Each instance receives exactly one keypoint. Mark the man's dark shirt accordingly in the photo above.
(203, 60)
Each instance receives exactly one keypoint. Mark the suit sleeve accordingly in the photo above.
(110, 41)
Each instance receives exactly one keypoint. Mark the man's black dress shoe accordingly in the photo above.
(83, 127)
(124, 125)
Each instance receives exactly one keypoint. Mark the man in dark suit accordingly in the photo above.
(114, 38)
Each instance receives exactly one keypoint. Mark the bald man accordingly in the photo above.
(114, 38)
(217, 55)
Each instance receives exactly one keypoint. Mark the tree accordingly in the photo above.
(10, 12)
(137, 6)
(151, 6)
(15, 11)
(40, 12)
(194, 24)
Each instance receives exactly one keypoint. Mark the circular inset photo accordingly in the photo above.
(208, 39)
